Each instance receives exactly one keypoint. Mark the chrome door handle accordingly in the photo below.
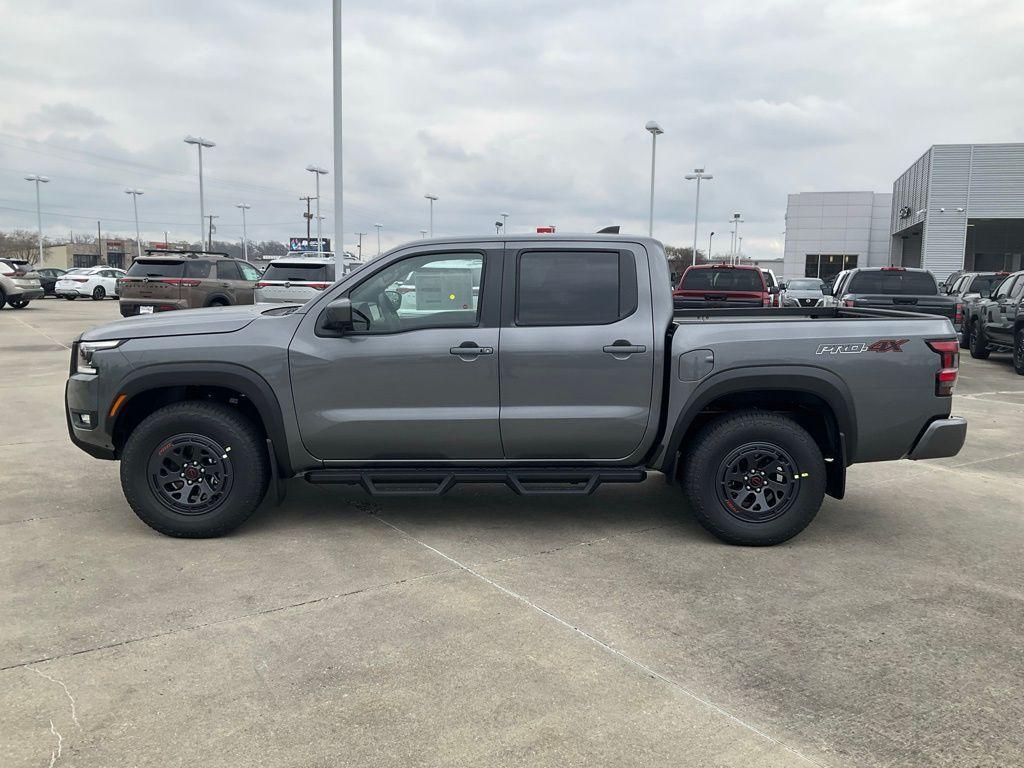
(469, 349)
(624, 348)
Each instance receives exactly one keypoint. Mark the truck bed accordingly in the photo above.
(772, 314)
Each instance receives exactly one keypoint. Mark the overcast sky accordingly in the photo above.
(530, 107)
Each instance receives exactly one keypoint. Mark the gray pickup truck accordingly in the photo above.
(550, 364)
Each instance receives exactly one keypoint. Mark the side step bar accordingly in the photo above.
(526, 481)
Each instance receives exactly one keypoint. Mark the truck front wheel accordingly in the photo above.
(754, 478)
(194, 469)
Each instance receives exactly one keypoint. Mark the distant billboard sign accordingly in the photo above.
(115, 245)
(309, 244)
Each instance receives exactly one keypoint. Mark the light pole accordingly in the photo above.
(709, 248)
(497, 227)
(39, 212)
(243, 207)
(339, 198)
(135, 204)
(736, 220)
(200, 142)
(423, 233)
(431, 198)
(317, 171)
(655, 131)
(359, 245)
(379, 228)
(504, 222)
(699, 175)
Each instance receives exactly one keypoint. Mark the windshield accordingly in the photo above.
(156, 268)
(984, 283)
(894, 282)
(804, 284)
(724, 279)
(314, 272)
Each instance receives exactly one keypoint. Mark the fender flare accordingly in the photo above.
(211, 374)
(811, 380)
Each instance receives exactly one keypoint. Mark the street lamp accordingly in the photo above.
(423, 233)
(655, 131)
(243, 207)
(200, 142)
(39, 213)
(699, 175)
(497, 227)
(504, 222)
(317, 171)
(135, 204)
(431, 198)
(736, 221)
(709, 249)
(379, 228)
(339, 198)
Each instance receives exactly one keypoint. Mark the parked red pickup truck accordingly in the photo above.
(723, 285)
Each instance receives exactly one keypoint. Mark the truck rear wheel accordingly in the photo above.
(194, 469)
(979, 344)
(754, 478)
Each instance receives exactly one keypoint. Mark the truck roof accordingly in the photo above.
(574, 237)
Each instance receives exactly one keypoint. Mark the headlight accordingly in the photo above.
(87, 349)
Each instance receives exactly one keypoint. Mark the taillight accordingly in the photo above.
(262, 285)
(945, 378)
(848, 303)
(179, 281)
(318, 286)
(79, 279)
(958, 318)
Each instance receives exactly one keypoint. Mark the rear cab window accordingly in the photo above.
(893, 283)
(575, 287)
(722, 279)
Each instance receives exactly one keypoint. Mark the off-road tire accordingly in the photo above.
(979, 344)
(1018, 352)
(245, 454)
(706, 460)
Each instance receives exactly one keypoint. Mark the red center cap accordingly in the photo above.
(756, 481)
(191, 473)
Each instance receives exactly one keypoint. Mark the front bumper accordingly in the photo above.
(943, 437)
(82, 398)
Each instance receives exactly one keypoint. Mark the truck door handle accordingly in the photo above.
(470, 349)
(623, 347)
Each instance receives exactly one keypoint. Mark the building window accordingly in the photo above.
(828, 265)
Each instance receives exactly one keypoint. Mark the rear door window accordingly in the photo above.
(575, 287)
(314, 273)
(894, 283)
(714, 279)
(157, 268)
(198, 269)
(228, 270)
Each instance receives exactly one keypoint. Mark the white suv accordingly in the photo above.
(95, 282)
(295, 279)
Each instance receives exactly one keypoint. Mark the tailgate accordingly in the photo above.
(149, 288)
(925, 305)
(716, 299)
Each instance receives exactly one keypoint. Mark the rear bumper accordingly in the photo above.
(284, 295)
(943, 437)
(19, 293)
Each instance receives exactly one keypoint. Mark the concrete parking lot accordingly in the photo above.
(483, 628)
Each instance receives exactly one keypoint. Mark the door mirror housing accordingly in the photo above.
(783, 286)
(773, 289)
(338, 316)
(826, 290)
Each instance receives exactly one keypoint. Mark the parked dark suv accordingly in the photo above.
(968, 288)
(996, 324)
(167, 280)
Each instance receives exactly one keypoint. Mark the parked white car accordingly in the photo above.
(94, 282)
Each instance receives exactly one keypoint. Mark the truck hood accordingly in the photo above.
(182, 322)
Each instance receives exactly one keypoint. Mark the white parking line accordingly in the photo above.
(41, 333)
(604, 646)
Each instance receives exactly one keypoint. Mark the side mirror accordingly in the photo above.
(986, 293)
(394, 298)
(783, 286)
(773, 289)
(826, 290)
(338, 315)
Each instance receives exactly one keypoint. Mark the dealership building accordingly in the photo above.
(958, 206)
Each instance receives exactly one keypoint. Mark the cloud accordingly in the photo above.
(535, 108)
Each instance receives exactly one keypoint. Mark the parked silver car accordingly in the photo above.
(295, 279)
(804, 292)
(19, 283)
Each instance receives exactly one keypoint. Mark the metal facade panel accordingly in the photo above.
(910, 191)
(997, 182)
(945, 229)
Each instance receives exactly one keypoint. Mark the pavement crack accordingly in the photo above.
(74, 711)
(621, 655)
(55, 753)
(215, 622)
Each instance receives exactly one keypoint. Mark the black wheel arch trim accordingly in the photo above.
(814, 381)
(226, 375)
